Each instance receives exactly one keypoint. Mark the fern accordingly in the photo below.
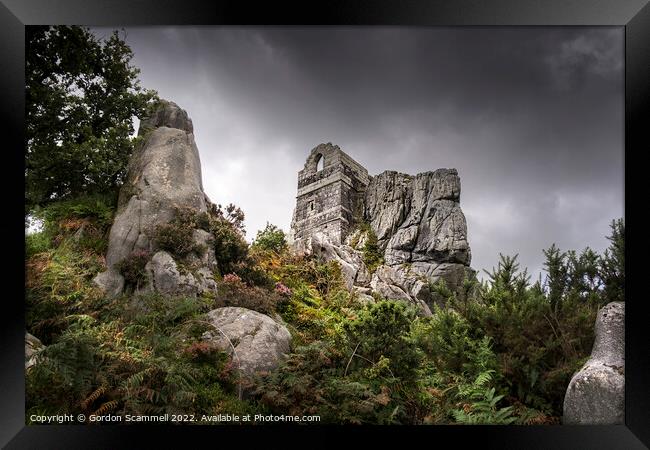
(106, 407)
(480, 404)
(92, 397)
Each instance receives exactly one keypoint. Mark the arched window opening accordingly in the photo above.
(319, 163)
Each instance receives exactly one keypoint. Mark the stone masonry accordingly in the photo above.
(419, 226)
(329, 200)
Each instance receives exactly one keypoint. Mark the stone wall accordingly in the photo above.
(329, 200)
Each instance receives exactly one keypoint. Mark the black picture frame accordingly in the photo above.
(634, 15)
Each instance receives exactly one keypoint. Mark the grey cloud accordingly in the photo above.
(531, 117)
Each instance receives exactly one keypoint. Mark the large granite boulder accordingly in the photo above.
(163, 175)
(596, 393)
(260, 342)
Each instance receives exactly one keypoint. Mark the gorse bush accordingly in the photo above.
(612, 263)
(382, 331)
(539, 339)
(451, 346)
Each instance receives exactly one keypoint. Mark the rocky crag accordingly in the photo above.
(417, 221)
(163, 177)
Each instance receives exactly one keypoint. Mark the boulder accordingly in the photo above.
(163, 174)
(169, 115)
(411, 282)
(260, 342)
(208, 259)
(387, 203)
(596, 393)
(164, 276)
(363, 294)
(351, 261)
(32, 347)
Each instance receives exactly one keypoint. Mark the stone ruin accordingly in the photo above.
(419, 225)
(331, 188)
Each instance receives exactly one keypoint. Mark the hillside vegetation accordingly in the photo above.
(503, 352)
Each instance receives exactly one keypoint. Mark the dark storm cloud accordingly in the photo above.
(531, 117)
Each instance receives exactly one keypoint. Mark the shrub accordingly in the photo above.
(373, 257)
(82, 221)
(281, 289)
(449, 344)
(382, 331)
(97, 207)
(230, 248)
(537, 347)
(176, 238)
(132, 267)
(612, 264)
(202, 351)
(234, 292)
(251, 273)
(36, 243)
(271, 239)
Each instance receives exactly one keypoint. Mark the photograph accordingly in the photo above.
(332, 225)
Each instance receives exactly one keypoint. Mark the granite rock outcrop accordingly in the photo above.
(416, 220)
(163, 175)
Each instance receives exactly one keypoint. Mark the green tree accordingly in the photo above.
(271, 238)
(81, 96)
(612, 264)
(508, 277)
(557, 274)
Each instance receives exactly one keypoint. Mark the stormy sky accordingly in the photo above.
(532, 118)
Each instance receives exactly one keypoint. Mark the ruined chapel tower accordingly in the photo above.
(331, 188)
